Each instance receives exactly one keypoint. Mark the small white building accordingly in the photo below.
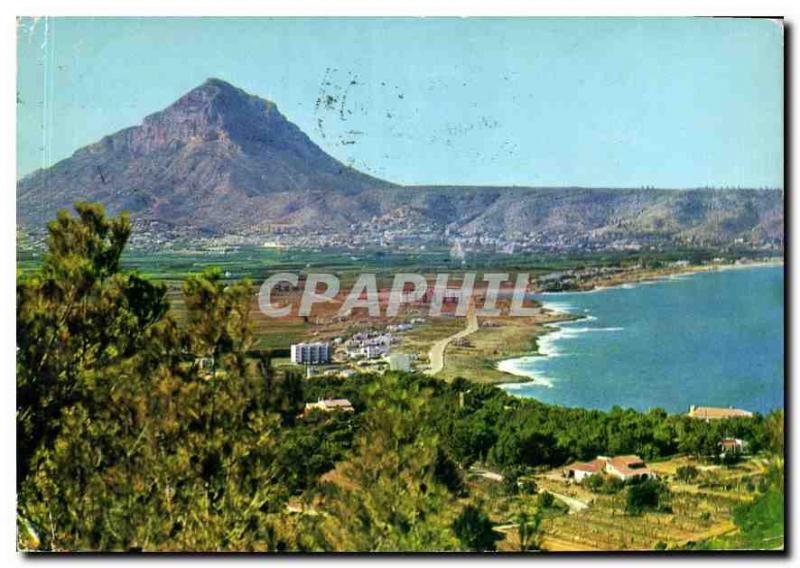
(628, 468)
(311, 353)
(329, 405)
(732, 447)
(374, 351)
(582, 470)
(399, 362)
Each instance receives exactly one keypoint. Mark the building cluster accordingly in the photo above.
(573, 279)
(369, 344)
(405, 326)
(406, 230)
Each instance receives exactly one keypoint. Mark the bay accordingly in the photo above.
(710, 339)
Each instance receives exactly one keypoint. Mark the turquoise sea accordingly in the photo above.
(710, 339)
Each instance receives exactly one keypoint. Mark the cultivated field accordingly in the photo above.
(700, 510)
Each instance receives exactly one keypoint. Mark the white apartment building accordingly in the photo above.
(311, 353)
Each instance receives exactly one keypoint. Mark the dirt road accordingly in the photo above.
(436, 354)
(575, 505)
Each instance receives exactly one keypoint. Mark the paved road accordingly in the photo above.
(436, 354)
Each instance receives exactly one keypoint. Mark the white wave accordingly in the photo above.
(537, 382)
(562, 307)
(595, 290)
(547, 341)
(516, 367)
(577, 330)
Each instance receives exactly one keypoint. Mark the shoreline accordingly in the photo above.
(657, 274)
(510, 366)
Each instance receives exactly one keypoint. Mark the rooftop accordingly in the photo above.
(593, 466)
(715, 413)
(336, 402)
(628, 465)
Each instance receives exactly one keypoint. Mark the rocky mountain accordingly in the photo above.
(222, 161)
(217, 158)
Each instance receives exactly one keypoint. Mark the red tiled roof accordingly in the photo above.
(626, 460)
(628, 465)
(711, 412)
(336, 402)
(624, 465)
(593, 466)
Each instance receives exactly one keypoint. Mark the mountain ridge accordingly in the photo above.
(223, 161)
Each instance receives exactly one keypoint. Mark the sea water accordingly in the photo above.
(709, 339)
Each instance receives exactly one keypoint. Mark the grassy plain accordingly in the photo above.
(475, 358)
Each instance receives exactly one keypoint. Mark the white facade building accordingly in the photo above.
(399, 362)
(311, 353)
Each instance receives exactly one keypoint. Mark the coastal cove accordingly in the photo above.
(709, 338)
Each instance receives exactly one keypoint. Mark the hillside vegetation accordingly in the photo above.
(136, 433)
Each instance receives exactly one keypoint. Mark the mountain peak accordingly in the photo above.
(214, 88)
(214, 99)
(216, 82)
(214, 110)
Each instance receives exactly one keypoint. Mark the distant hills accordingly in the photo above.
(222, 161)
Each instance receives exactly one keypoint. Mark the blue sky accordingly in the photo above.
(594, 102)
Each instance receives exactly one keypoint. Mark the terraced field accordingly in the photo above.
(700, 510)
(605, 526)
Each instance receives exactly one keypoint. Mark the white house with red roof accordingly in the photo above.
(732, 447)
(329, 405)
(626, 468)
(582, 470)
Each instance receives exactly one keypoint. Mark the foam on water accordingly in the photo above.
(548, 347)
(517, 367)
(562, 307)
(546, 343)
(576, 330)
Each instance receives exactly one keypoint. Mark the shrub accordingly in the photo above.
(604, 484)
(686, 473)
(527, 486)
(474, 530)
(545, 500)
(648, 495)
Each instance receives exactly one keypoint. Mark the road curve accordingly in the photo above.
(436, 354)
